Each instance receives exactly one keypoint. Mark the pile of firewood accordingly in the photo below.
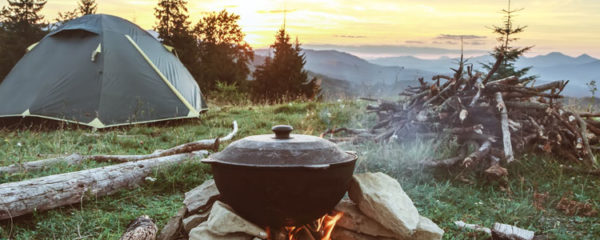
(501, 118)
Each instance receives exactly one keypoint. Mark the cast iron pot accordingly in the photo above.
(283, 179)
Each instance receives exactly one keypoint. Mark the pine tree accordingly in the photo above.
(22, 25)
(506, 36)
(87, 7)
(173, 28)
(283, 76)
(224, 55)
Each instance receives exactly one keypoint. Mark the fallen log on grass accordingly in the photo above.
(76, 159)
(40, 194)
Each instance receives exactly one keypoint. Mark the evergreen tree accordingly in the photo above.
(64, 17)
(283, 76)
(173, 28)
(87, 7)
(22, 25)
(506, 36)
(224, 55)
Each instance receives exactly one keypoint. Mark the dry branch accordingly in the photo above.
(75, 159)
(506, 141)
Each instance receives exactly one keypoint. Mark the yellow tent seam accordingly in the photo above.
(32, 46)
(104, 126)
(26, 113)
(96, 52)
(96, 123)
(162, 76)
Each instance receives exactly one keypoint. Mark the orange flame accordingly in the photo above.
(329, 223)
(324, 228)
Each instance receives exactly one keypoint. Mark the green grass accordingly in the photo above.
(439, 195)
(107, 217)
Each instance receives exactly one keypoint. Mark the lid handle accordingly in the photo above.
(282, 131)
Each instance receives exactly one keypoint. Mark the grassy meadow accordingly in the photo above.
(444, 195)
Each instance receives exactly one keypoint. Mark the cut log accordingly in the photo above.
(507, 232)
(506, 141)
(40, 194)
(142, 228)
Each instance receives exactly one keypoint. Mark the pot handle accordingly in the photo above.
(208, 160)
(282, 131)
(353, 153)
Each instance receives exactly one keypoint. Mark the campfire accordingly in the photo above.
(378, 208)
(320, 229)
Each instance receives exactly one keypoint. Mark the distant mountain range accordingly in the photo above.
(388, 76)
(360, 76)
(550, 67)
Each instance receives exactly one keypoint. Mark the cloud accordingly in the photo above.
(458, 37)
(350, 36)
(475, 43)
(391, 49)
(276, 11)
(414, 42)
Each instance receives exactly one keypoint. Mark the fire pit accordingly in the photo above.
(378, 208)
(283, 179)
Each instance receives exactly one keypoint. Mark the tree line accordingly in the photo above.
(213, 49)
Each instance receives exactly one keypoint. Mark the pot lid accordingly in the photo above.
(282, 149)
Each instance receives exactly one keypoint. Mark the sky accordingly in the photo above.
(568, 26)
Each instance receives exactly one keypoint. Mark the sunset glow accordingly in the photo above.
(568, 26)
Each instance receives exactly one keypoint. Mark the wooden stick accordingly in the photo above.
(506, 141)
(75, 159)
(499, 60)
(476, 156)
(590, 157)
(40, 194)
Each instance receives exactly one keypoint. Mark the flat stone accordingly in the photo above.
(381, 197)
(202, 232)
(345, 234)
(171, 231)
(193, 221)
(427, 230)
(358, 222)
(202, 197)
(223, 221)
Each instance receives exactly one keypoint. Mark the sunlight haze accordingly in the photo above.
(568, 26)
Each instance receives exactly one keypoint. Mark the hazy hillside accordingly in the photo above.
(553, 66)
(354, 75)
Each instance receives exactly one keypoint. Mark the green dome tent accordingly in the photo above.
(100, 71)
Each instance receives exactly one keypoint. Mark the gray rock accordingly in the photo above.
(224, 221)
(202, 197)
(381, 197)
(345, 234)
(358, 222)
(193, 221)
(428, 230)
(202, 232)
(171, 231)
